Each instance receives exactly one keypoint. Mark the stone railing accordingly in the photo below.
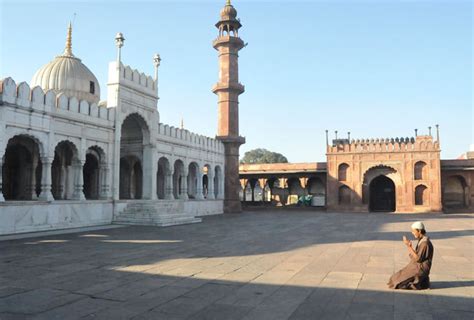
(189, 138)
(49, 101)
(420, 143)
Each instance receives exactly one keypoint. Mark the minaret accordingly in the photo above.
(228, 90)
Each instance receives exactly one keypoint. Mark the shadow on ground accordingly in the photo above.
(251, 266)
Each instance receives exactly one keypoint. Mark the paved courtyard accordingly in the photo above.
(257, 265)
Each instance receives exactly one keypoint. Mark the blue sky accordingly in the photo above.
(375, 68)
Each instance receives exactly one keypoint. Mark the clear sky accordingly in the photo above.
(375, 68)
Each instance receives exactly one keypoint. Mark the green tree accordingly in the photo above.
(263, 156)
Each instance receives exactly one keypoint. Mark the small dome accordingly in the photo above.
(67, 74)
(228, 12)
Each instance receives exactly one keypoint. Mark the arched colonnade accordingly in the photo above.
(281, 190)
(29, 173)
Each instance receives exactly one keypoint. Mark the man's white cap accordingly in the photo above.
(418, 225)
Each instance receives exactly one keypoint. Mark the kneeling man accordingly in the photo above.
(416, 274)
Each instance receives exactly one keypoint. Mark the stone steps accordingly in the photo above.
(149, 214)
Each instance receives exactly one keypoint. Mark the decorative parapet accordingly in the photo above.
(132, 78)
(49, 101)
(191, 139)
(420, 143)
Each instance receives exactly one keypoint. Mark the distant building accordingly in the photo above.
(393, 175)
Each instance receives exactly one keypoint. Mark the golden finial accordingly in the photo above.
(182, 123)
(68, 48)
(228, 3)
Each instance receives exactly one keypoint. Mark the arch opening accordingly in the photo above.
(21, 169)
(455, 192)
(134, 135)
(131, 178)
(64, 171)
(382, 194)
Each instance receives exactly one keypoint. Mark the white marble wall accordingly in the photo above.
(18, 217)
(49, 118)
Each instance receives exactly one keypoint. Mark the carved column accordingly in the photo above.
(199, 194)
(169, 185)
(103, 186)
(210, 185)
(184, 185)
(46, 180)
(79, 181)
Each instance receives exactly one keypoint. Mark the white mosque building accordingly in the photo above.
(71, 160)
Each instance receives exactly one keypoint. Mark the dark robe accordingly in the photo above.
(416, 274)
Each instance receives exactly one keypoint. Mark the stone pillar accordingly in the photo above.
(2, 199)
(79, 181)
(252, 186)
(199, 191)
(210, 185)
(103, 186)
(169, 186)
(46, 194)
(150, 167)
(184, 185)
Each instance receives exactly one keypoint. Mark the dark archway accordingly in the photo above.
(131, 178)
(455, 192)
(22, 169)
(91, 176)
(134, 136)
(382, 194)
(64, 170)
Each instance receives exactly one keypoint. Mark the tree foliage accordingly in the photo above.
(263, 156)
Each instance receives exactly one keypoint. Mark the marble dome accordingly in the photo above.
(67, 74)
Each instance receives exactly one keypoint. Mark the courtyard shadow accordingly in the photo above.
(125, 295)
(187, 272)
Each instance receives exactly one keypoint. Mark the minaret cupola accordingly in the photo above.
(228, 23)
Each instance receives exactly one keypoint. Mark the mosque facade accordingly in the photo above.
(71, 160)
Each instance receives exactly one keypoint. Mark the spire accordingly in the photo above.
(68, 48)
(182, 123)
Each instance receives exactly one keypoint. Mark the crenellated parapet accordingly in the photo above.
(37, 100)
(419, 143)
(132, 78)
(191, 139)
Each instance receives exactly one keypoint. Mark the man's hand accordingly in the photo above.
(406, 241)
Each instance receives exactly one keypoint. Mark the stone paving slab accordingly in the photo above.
(256, 265)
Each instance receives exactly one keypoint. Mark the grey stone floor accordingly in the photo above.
(257, 265)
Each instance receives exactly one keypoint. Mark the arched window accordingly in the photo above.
(421, 195)
(420, 170)
(342, 172)
(344, 195)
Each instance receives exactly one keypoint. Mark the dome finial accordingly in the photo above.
(227, 3)
(68, 48)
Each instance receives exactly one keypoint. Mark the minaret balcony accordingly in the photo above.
(232, 41)
(230, 87)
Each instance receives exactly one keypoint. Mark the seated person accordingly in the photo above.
(416, 274)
